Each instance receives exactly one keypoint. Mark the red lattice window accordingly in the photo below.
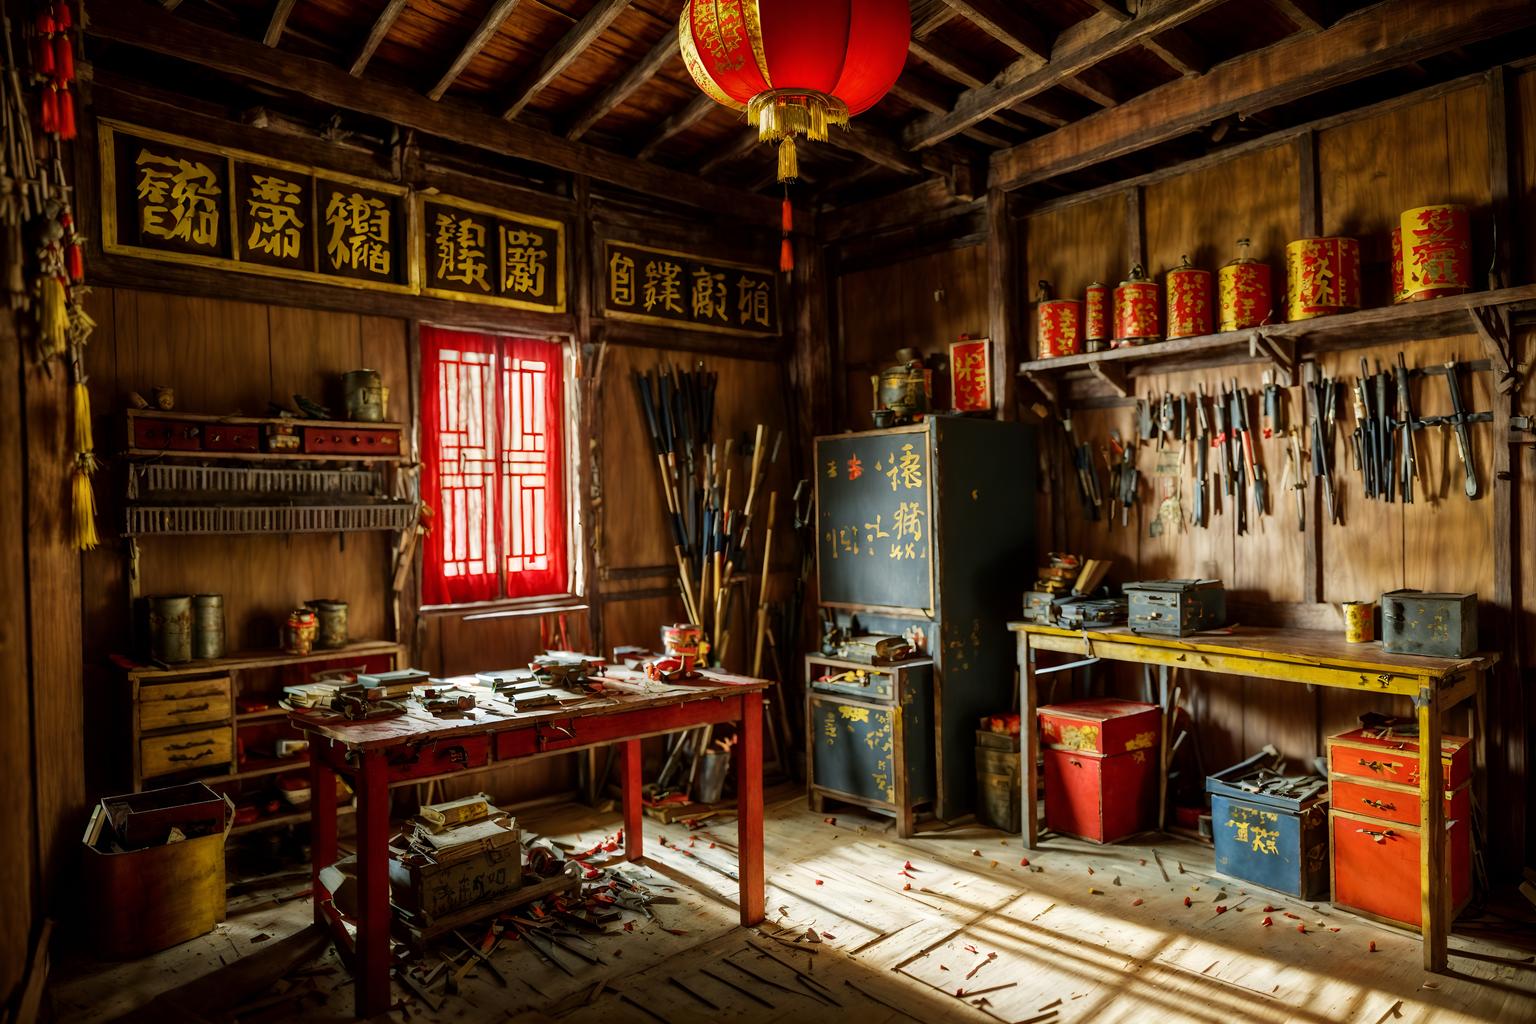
(492, 418)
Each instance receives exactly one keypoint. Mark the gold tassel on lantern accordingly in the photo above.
(53, 321)
(85, 442)
(84, 504)
(789, 164)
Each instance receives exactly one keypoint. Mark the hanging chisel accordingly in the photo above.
(1458, 420)
(1384, 435)
(1298, 480)
(1256, 471)
(1274, 411)
(1408, 441)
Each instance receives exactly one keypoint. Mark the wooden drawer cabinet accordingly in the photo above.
(179, 751)
(173, 705)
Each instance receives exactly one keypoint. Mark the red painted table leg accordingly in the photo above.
(749, 809)
(373, 913)
(322, 824)
(634, 839)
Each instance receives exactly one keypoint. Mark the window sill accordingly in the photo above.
(508, 609)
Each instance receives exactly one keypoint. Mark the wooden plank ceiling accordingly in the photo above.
(983, 78)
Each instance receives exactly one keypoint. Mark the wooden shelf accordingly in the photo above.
(289, 421)
(295, 818)
(1286, 343)
(263, 659)
(300, 763)
(206, 456)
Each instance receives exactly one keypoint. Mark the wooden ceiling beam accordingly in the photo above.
(926, 96)
(381, 26)
(952, 63)
(563, 54)
(148, 28)
(1113, 8)
(1004, 24)
(1306, 15)
(1378, 38)
(278, 21)
(1096, 86)
(875, 148)
(1078, 48)
(660, 55)
(489, 26)
(680, 121)
(738, 148)
(1179, 51)
(928, 16)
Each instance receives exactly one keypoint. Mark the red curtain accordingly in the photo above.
(492, 418)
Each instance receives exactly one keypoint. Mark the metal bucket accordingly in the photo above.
(170, 629)
(332, 616)
(208, 626)
(364, 393)
(710, 784)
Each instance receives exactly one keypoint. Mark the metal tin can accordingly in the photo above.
(1359, 622)
(1322, 277)
(1189, 300)
(1437, 251)
(1244, 293)
(331, 622)
(1095, 316)
(299, 631)
(1398, 294)
(170, 629)
(1060, 332)
(207, 626)
(681, 640)
(364, 393)
(1136, 310)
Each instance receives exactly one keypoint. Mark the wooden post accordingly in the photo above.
(322, 823)
(1434, 893)
(1310, 224)
(1028, 741)
(373, 913)
(1135, 228)
(749, 810)
(634, 839)
(1002, 305)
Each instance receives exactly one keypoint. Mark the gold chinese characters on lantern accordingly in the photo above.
(1322, 277)
(1437, 251)
(1189, 301)
(1244, 291)
(1136, 310)
(1061, 325)
(1096, 316)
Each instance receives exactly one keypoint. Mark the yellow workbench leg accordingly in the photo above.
(1029, 738)
(1434, 905)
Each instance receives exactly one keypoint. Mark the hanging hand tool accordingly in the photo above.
(1458, 421)
(1164, 419)
(1274, 409)
(1322, 394)
(1408, 441)
(1298, 480)
(1202, 457)
(1183, 427)
(1146, 428)
(1219, 404)
(1237, 419)
(1387, 473)
(1256, 471)
(1364, 439)
(1130, 477)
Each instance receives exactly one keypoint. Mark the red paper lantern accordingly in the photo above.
(795, 66)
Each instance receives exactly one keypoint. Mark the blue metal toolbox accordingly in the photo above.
(1271, 829)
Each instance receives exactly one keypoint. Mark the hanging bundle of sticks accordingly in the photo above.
(710, 490)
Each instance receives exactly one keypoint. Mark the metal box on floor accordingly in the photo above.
(1100, 767)
(1277, 841)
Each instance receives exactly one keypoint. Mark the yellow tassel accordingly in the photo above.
(53, 323)
(85, 443)
(85, 510)
(789, 164)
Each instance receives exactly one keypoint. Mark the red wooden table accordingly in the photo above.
(398, 751)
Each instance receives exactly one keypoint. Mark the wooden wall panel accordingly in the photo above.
(1071, 247)
(1522, 88)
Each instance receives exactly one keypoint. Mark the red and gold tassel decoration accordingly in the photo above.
(787, 224)
(53, 61)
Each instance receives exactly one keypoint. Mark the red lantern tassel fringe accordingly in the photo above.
(66, 115)
(64, 58)
(787, 223)
(48, 110)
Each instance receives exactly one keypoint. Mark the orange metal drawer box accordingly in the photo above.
(1376, 866)
(438, 757)
(349, 441)
(1104, 726)
(1394, 803)
(1396, 759)
(225, 437)
(162, 435)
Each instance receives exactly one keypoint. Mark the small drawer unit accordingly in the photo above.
(1274, 835)
(1100, 767)
(166, 434)
(871, 735)
(185, 702)
(999, 777)
(231, 437)
(346, 440)
(440, 757)
(1376, 827)
(1176, 607)
(185, 751)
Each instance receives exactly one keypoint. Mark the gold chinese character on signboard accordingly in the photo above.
(709, 295)
(177, 199)
(621, 280)
(752, 301)
(908, 472)
(907, 521)
(273, 208)
(522, 261)
(460, 245)
(663, 285)
(359, 232)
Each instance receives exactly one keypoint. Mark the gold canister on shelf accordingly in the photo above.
(300, 630)
(1137, 303)
(1189, 300)
(1060, 330)
(1359, 622)
(1243, 287)
(1322, 277)
(331, 622)
(1095, 316)
(1437, 251)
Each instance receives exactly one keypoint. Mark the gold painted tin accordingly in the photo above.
(1189, 300)
(1096, 316)
(1322, 277)
(1437, 251)
(1359, 622)
(1244, 293)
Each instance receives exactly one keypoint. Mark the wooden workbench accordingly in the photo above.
(372, 754)
(1309, 657)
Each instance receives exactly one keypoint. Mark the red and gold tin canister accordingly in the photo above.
(1243, 287)
(1096, 316)
(1136, 310)
(1397, 265)
(1061, 325)
(1437, 251)
(1189, 300)
(1322, 277)
(681, 641)
(1359, 622)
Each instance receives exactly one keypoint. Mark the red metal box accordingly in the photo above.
(1100, 798)
(1396, 759)
(351, 441)
(438, 757)
(225, 437)
(1376, 866)
(1103, 726)
(175, 435)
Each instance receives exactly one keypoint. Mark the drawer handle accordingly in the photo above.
(1379, 766)
(189, 746)
(192, 757)
(1380, 837)
(1380, 805)
(1074, 762)
(204, 706)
